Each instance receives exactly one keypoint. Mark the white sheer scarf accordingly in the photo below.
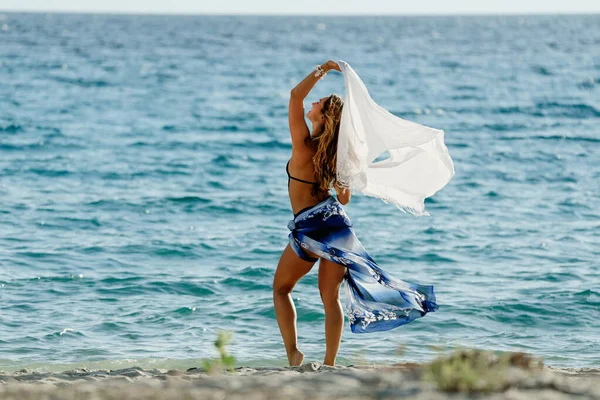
(418, 164)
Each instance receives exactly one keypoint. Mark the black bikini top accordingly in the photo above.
(287, 170)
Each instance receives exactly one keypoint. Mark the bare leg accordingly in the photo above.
(289, 271)
(331, 276)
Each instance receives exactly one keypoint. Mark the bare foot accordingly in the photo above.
(296, 358)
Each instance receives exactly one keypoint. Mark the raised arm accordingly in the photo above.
(298, 128)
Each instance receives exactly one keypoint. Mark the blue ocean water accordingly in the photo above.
(144, 199)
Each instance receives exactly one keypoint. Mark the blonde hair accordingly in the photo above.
(325, 158)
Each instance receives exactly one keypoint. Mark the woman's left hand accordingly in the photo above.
(329, 65)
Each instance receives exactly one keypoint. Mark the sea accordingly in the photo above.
(143, 194)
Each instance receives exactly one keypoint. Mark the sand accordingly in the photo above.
(310, 381)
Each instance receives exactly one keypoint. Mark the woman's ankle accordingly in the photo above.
(330, 363)
(295, 358)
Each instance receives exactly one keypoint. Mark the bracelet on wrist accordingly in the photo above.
(320, 72)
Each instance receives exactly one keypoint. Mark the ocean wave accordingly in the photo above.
(64, 334)
(551, 109)
(588, 297)
(506, 127)
(267, 145)
(256, 272)
(184, 311)
(566, 138)
(540, 70)
(109, 327)
(11, 128)
(245, 284)
(188, 199)
(124, 288)
(589, 84)
(82, 82)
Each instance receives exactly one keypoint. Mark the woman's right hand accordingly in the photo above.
(329, 65)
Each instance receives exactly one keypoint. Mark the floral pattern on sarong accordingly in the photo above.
(375, 300)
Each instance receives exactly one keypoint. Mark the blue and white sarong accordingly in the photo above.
(375, 300)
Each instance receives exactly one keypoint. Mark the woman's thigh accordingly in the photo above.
(289, 270)
(331, 276)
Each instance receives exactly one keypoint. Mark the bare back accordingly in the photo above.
(302, 187)
(301, 193)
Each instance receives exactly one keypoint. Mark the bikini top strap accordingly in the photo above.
(287, 170)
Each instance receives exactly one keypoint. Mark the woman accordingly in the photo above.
(322, 230)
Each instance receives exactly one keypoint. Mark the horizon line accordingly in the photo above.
(253, 14)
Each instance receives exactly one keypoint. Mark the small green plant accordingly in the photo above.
(471, 370)
(226, 360)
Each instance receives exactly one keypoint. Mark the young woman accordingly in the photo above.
(321, 230)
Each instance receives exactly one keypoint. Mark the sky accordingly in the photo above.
(313, 7)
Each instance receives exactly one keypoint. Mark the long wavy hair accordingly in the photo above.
(325, 158)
